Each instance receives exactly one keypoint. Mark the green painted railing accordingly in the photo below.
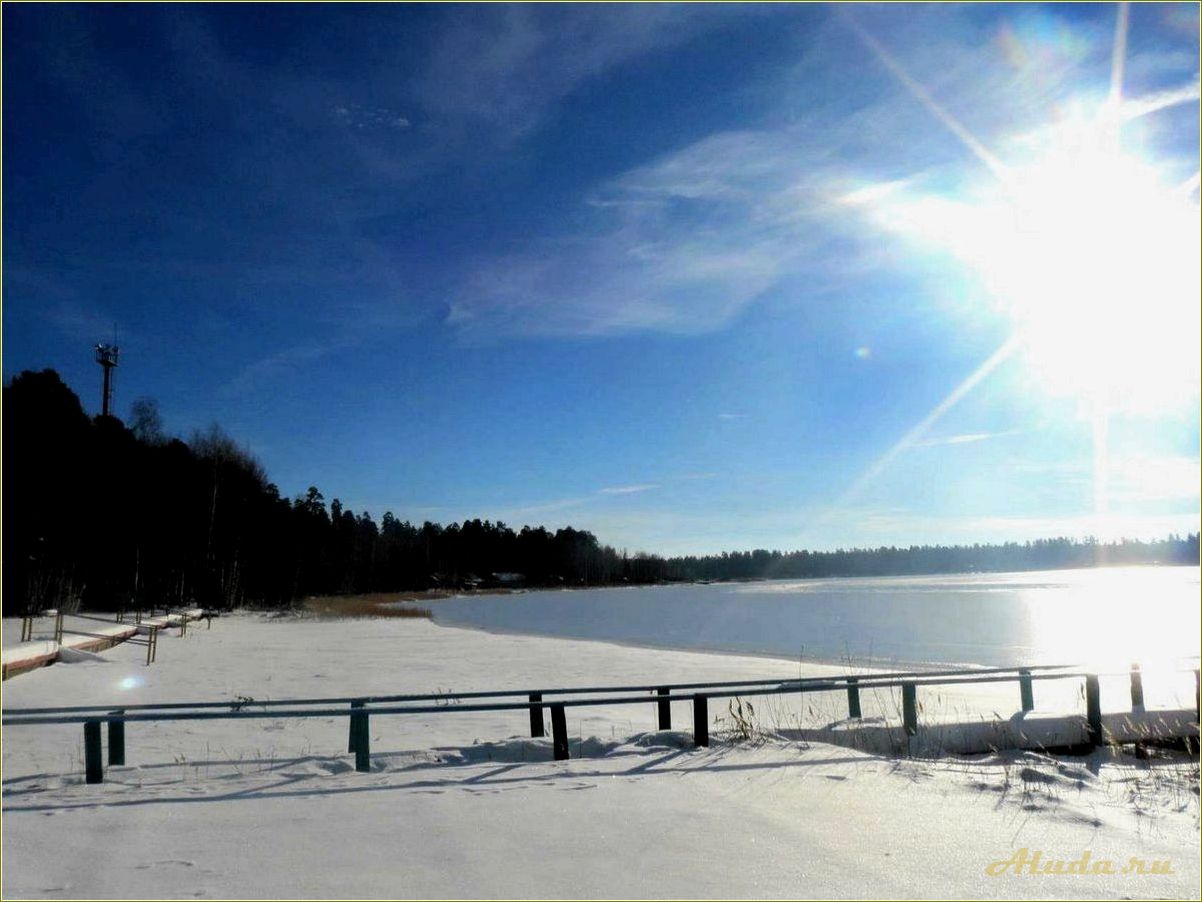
(362, 708)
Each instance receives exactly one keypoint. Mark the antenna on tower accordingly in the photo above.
(106, 356)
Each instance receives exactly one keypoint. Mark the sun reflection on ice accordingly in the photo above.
(1111, 618)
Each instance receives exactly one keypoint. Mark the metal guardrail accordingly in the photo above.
(578, 690)
(359, 711)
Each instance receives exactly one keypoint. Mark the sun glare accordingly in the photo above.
(1093, 256)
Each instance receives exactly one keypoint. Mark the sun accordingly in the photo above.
(1096, 260)
(1092, 256)
(1088, 249)
(1086, 246)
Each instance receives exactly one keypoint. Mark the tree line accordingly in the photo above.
(101, 515)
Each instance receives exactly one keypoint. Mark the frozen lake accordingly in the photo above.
(1106, 615)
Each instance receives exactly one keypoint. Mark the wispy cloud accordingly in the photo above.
(354, 115)
(681, 245)
(966, 438)
(356, 325)
(684, 243)
(279, 364)
(626, 489)
(732, 416)
(541, 507)
(498, 73)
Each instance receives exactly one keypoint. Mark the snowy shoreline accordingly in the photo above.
(466, 805)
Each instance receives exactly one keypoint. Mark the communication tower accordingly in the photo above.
(106, 356)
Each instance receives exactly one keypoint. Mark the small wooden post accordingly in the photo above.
(536, 716)
(58, 627)
(93, 764)
(183, 625)
(665, 709)
(910, 708)
(559, 733)
(360, 728)
(1093, 711)
(350, 741)
(1137, 688)
(116, 738)
(152, 641)
(1025, 689)
(1198, 695)
(26, 628)
(853, 698)
(701, 720)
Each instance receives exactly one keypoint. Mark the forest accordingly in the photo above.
(102, 515)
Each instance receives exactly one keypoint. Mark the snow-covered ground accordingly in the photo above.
(464, 804)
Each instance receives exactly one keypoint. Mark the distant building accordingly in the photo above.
(509, 580)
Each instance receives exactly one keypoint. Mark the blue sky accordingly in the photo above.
(694, 278)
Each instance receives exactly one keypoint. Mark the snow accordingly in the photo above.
(81, 635)
(464, 804)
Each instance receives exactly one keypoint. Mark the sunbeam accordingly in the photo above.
(1118, 54)
(916, 432)
(1141, 106)
(919, 93)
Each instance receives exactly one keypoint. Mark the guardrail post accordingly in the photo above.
(536, 716)
(701, 720)
(853, 698)
(360, 729)
(1025, 689)
(664, 708)
(26, 629)
(350, 740)
(1137, 688)
(93, 764)
(1093, 711)
(910, 708)
(152, 645)
(116, 739)
(58, 627)
(559, 733)
(183, 625)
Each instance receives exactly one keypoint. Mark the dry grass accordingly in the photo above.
(374, 605)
